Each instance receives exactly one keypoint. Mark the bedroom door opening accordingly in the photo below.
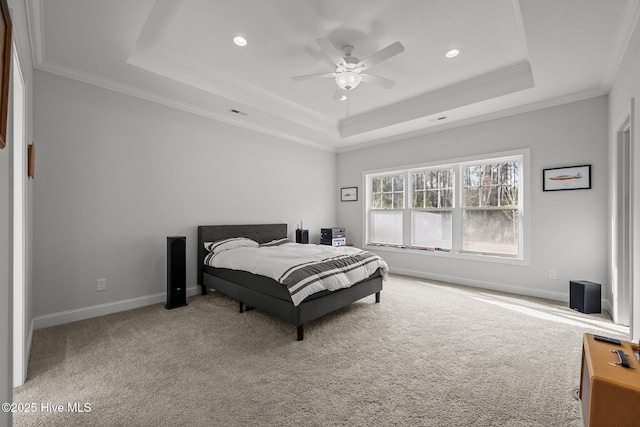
(622, 292)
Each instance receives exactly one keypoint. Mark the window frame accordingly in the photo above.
(458, 208)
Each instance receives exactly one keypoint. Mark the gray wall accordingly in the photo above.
(117, 174)
(569, 228)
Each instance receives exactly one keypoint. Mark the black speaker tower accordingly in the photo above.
(176, 272)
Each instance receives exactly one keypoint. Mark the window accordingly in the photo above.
(387, 202)
(388, 192)
(432, 208)
(470, 207)
(491, 208)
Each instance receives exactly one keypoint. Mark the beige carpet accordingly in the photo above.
(429, 354)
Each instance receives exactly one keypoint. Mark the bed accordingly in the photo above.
(266, 294)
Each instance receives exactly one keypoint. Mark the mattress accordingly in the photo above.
(263, 284)
(303, 269)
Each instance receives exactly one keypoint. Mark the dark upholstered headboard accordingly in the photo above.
(261, 233)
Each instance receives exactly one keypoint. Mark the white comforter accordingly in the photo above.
(304, 269)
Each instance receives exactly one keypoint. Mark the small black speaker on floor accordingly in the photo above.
(584, 296)
(176, 272)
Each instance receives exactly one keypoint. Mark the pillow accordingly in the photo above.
(276, 242)
(236, 242)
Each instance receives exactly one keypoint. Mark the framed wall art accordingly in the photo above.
(5, 68)
(567, 178)
(349, 194)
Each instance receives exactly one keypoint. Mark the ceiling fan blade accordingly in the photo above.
(377, 80)
(381, 55)
(331, 51)
(314, 76)
(339, 94)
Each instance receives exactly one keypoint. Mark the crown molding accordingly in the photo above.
(176, 66)
(496, 83)
(146, 95)
(621, 43)
(507, 112)
(35, 26)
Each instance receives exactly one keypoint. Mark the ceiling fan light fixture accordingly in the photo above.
(452, 53)
(348, 80)
(240, 41)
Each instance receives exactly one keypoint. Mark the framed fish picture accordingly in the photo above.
(567, 178)
(349, 194)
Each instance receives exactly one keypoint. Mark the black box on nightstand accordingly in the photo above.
(334, 236)
(584, 296)
(302, 236)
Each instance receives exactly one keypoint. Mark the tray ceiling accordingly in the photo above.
(514, 56)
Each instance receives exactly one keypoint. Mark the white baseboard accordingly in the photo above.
(494, 286)
(69, 316)
(74, 315)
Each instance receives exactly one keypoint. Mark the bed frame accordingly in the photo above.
(306, 311)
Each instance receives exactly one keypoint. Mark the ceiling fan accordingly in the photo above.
(349, 72)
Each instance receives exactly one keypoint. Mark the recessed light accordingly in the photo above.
(343, 98)
(452, 53)
(240, 41)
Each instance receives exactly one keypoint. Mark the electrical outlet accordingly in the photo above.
(102, 285)
(553, 274)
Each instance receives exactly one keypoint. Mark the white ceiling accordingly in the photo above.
(516, 55)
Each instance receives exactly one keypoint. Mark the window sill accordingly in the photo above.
(448, 254)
